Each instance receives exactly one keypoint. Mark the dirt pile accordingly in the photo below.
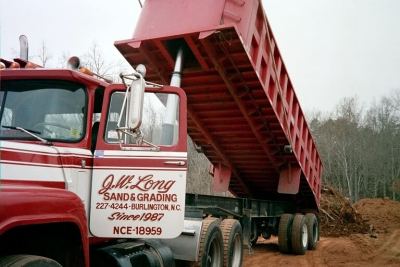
(338, 216)
(382, 214)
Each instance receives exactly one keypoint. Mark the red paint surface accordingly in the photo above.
(242, 107)
(28, 205)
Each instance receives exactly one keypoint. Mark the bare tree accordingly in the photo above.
(62, 60)
(43, 55)
(396, 100)
(360, 148)
(96, 62)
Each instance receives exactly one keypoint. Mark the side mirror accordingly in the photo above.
(132, 110)
(135, 103)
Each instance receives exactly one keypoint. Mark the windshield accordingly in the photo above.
(51, 109)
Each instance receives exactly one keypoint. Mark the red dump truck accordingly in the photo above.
(94, 173)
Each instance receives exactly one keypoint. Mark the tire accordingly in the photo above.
(313, 230)
(27, 261)
(299, 235)
(233, 242)
(253, 234)
(161, 252)
(266, 234)
(211, 251)
(284, 232)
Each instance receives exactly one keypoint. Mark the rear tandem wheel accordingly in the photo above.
(284, 232)
(313, 230)
(299, 235)
(211, 251)
(233, 242)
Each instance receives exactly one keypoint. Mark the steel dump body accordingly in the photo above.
(242, 108)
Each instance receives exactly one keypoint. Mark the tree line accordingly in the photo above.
(93, 59)
(360, 147)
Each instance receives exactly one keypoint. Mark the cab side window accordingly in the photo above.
(160, 122)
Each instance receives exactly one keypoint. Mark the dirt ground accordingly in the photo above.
(379, 247)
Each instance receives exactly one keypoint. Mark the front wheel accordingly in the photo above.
(27, 261)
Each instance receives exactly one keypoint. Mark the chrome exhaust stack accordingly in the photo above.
(169, 123)
(23, 47)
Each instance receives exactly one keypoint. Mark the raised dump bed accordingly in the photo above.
(242, 109)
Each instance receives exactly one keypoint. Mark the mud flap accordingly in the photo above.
(289, 180)
(222, 178)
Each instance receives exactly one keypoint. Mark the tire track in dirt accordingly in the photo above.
(352, 251)
(266, 253)
(389, 253)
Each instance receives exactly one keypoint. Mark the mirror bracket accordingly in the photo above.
(138, 137)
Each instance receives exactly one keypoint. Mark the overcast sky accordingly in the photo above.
(332, 48)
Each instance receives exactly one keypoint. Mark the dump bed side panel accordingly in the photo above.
(242, 108)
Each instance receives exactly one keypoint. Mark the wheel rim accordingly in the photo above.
(237, 251)
(214, 254)
(304, 235)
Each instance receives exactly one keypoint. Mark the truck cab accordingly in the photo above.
(67, 175)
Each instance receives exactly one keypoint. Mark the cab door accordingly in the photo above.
(138, 188)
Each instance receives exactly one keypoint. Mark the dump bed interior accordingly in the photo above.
(242, 108)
